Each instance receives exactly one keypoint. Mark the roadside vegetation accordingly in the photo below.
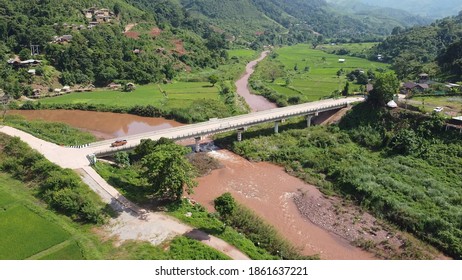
(51, 215)
(401, 166)
(55, 132)
(60, 188)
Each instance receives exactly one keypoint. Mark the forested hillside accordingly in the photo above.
(432, 49)
(80, 49)
(291, 21)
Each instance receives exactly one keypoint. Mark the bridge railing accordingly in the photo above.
(221, 125)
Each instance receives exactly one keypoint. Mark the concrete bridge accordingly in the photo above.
(237, 123)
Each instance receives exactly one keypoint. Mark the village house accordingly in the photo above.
(98, 15)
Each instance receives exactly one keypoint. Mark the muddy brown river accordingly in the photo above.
(268, 190)
(256, 102)
(101, 124)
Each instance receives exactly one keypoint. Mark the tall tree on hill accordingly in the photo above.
(385, 86)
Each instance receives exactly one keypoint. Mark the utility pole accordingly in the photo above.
(34, 49)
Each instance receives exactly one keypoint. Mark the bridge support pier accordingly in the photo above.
(308, 120)
(197, 147)
(276, 127)
(239, 134)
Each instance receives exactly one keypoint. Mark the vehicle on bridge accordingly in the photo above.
(118, 143)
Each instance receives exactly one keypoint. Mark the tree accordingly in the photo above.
(168, 171)
(346, 89)
(386, 85)
(213, 79)
(117, 9)
(225, 205)
(122, 159)
(24, 54)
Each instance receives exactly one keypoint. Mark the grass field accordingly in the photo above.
(320, 79)
(55, 132)
(243, 53)
(178, 95)
(229, 71)
(449, 103)
(355, 48)
(27, 230)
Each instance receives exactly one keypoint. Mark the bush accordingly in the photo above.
(61, 188)
(225, 205)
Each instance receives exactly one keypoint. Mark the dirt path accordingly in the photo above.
(132, 222)
(129, 26)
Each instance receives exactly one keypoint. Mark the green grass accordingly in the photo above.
(25, 233)
(26, 230)
(321, 79)
(209, 223)
(179, 95)
(70, 252)
(246, 54)
(453, 103)
(354, 48)
(58, 133)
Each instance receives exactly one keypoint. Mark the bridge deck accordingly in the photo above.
(226, 124)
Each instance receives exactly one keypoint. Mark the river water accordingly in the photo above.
(102, 124)
(268, 190)
(256, 102)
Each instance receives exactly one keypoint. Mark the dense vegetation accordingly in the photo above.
(401, 166)
(425, 49)
(288, 22)
(60, 188)
(97, 55)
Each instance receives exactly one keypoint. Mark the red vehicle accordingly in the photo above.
(118, 143)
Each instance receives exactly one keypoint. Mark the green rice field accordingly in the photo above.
(177, 95)
(27, 230)
(320, 79)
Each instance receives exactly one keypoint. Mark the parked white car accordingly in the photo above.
(438, 109)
